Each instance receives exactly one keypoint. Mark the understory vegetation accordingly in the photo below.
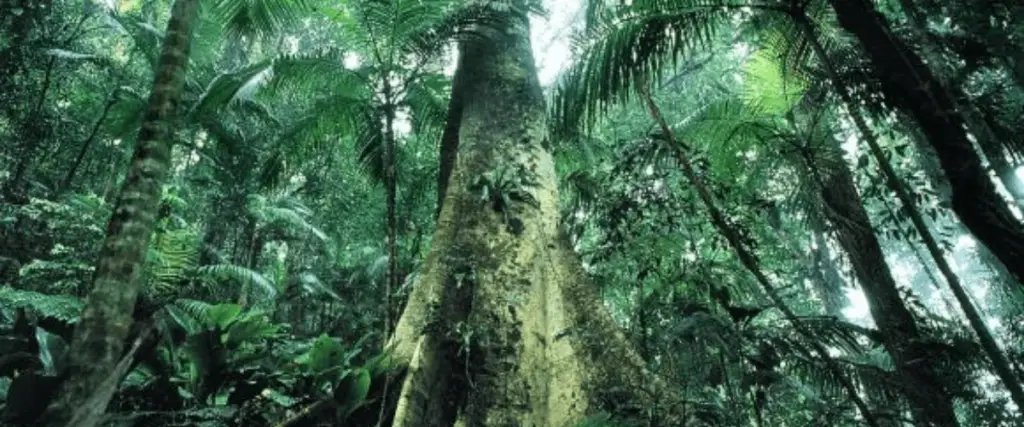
(383, 213)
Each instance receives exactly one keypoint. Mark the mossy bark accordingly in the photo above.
(98, 342)
(501, 328)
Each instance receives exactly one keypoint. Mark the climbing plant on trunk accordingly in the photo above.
(502, 327)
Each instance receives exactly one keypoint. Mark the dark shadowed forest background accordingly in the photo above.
(511, 213)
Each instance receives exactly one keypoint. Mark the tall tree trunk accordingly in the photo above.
(99, 337)
(1000, 363)
(502, 327)
(934, 173)
(990, 144)
(391, 184)
(449, 147)
(910, 84)
(746, 256)
(931, 405)
(827, 280)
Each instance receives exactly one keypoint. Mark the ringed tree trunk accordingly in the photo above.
(502, 328)
(920, 383)
(908, 82)
(99, 338)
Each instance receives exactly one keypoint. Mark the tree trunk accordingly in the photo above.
(449, 146)
(924, 390)
(112, 100)
(501, 327)
(910, 85)
(746, 256)
(988, 343)
(827, 280)
(990, 144)
(391, 188)
(99, 337)
(931, 168)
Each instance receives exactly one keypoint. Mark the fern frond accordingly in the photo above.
(62, 307)
(171, 257)
(237, 273)
(623, 44)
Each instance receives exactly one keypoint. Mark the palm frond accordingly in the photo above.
(258, 18)
(426, 99)
(623, 44)
(283, 210)
(231, 87)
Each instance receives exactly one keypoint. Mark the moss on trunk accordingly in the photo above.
(502, 328)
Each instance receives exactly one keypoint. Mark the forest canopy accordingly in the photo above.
(496, 213)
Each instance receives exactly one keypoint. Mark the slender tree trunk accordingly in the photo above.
(931, 405)
(502, 327)
(910, 84)
(988, 343)
(70, 176)
(99, 338)
(32, 133)
(746, 257)
(825, 275)
(391, 184)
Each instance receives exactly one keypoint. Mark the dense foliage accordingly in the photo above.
(790, 231)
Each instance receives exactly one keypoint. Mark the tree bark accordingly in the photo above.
(449, 146)
(910, 85)
(924, 390)
(828, 282)
(391, 188)
(99, 337)
(502, 327)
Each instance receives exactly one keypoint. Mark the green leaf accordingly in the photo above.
(279, 398)
(249, 327)
(353, 389)
(222, 315)
(325, 355)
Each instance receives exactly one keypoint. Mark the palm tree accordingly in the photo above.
(397, 45)
(96, 365)
(95, 369)
(845, 211)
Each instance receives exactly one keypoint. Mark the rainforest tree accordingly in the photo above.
(464, 212)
